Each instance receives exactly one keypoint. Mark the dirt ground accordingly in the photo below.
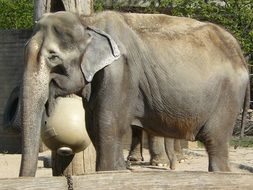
(196, 160)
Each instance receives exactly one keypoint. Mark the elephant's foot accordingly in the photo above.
(159, 160)
(218, 164)
(135, 157)
(180, 157)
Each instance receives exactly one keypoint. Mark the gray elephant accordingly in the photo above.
(176, 77)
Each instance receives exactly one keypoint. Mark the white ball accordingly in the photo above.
(65, 129)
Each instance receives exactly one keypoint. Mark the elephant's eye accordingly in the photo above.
(54, 59)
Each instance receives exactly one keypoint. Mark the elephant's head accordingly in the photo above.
(62, 56)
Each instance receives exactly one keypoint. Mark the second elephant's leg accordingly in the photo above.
(135, 153)
(178, 150)
(158, 156)
(169, 147)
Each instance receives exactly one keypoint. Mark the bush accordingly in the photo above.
(16, 14)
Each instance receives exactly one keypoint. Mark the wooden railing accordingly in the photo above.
(135, 180)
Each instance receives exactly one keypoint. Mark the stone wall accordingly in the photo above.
(11, 68)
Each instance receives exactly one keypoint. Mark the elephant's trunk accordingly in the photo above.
(34, 94)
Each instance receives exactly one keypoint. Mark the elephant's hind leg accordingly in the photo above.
(218, 156)
(216, 135)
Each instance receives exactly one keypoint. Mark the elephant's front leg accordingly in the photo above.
(109, 143)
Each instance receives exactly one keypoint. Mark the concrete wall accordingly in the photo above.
(11, 69)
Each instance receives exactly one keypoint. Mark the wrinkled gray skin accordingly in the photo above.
(162, 150)
(177, 77)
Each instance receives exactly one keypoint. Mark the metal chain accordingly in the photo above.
(70, 182)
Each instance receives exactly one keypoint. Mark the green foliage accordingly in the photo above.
(243, 142)
(99, 5)
(246, 141)
(16, 14)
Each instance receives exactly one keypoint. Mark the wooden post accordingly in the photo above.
(84, 7)
(77, 164)
(84, 161)
(39, 9)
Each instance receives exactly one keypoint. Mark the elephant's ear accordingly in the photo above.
(100, 52)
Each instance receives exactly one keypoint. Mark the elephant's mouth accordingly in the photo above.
(49, 106)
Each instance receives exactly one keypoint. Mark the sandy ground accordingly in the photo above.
(241, 160)
(196, 160)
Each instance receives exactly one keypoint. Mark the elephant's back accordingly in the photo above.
(186, 37)
(160, 23)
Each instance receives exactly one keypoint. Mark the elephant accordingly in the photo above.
(176, 77)
(162, 150)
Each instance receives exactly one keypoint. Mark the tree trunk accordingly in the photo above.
(84, 7)
(84, 161)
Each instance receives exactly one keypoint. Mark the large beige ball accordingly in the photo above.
(64, 131)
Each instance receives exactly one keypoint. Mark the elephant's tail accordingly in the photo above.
(246, 105)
